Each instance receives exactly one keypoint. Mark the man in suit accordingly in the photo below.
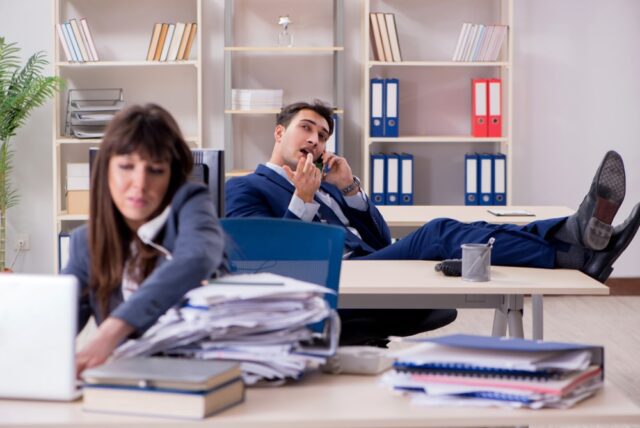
(291, 186)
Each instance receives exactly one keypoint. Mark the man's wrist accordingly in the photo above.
(353, 188)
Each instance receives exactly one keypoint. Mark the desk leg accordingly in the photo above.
(537, 315)
(515, 305)
(500, 321)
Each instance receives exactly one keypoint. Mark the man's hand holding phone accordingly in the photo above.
(306, 178)
(339, 171)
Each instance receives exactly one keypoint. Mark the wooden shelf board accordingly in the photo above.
(65, 64)
(71, 140)
(283, 49)
(437, 139)
(265, 111)
(437, 64)
(238, 173)
(63, 216)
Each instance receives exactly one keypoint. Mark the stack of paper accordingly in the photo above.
(490, 371)
(260, 320)
(256, 99)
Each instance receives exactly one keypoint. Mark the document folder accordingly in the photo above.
(391, 110)
(495, 108)
(378, 173)
(499, 179)
(471, 171)
(333, 143)
(479, 108)
(406, 178)
(486, 179)
(64, 240)
(393, 176)
(376, 117)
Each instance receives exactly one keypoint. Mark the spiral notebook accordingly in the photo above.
(532, 373)
(498, 357)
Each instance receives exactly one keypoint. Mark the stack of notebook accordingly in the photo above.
(163, 387)
(479, 371)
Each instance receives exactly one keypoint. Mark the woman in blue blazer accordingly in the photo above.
(151, 235)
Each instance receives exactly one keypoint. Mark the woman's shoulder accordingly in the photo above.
(80, 233)
(190, 191)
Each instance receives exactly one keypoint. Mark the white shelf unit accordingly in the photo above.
(253, 61)
(121, 31)
(435, 93)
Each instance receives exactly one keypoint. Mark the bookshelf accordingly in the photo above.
(253, 60)
(435, 93)
(121, 31)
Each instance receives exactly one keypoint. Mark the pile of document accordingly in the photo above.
(466, 370)
(90, 110)
(256, 99)
(261, 320)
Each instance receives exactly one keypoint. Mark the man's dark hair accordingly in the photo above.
(288, 113)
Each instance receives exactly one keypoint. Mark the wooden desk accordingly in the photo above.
(335, 402)
(403, 219)
(415, 284)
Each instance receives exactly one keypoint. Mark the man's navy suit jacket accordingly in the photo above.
(265, 193)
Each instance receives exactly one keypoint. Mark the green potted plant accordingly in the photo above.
(22, 88)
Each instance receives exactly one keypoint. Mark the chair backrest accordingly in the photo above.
(306, 251)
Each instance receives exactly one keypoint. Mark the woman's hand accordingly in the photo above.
(109, 335)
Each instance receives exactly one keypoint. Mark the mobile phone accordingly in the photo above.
(318, 163)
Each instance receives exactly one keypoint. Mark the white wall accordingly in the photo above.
(576, 96)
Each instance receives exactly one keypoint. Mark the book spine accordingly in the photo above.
(78, 36)
(89, 37)
(63, 43)
(192, 36)
(182, 46)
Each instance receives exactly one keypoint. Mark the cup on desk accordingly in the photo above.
(476, 262)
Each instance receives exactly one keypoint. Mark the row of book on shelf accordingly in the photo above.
(479, 42)
(392, 178)
(485, 176)
(171, 42)
(77, 41)
(383, 108)
(486, 107)
(383, 36)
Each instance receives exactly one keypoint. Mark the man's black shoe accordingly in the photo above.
(600, 264)
(591, 226)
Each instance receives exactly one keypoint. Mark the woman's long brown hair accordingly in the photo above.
(152, 133)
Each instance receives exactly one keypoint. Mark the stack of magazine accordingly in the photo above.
(495, 371)
(264, 321)
(90, 110)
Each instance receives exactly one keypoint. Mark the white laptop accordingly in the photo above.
(38, 322)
